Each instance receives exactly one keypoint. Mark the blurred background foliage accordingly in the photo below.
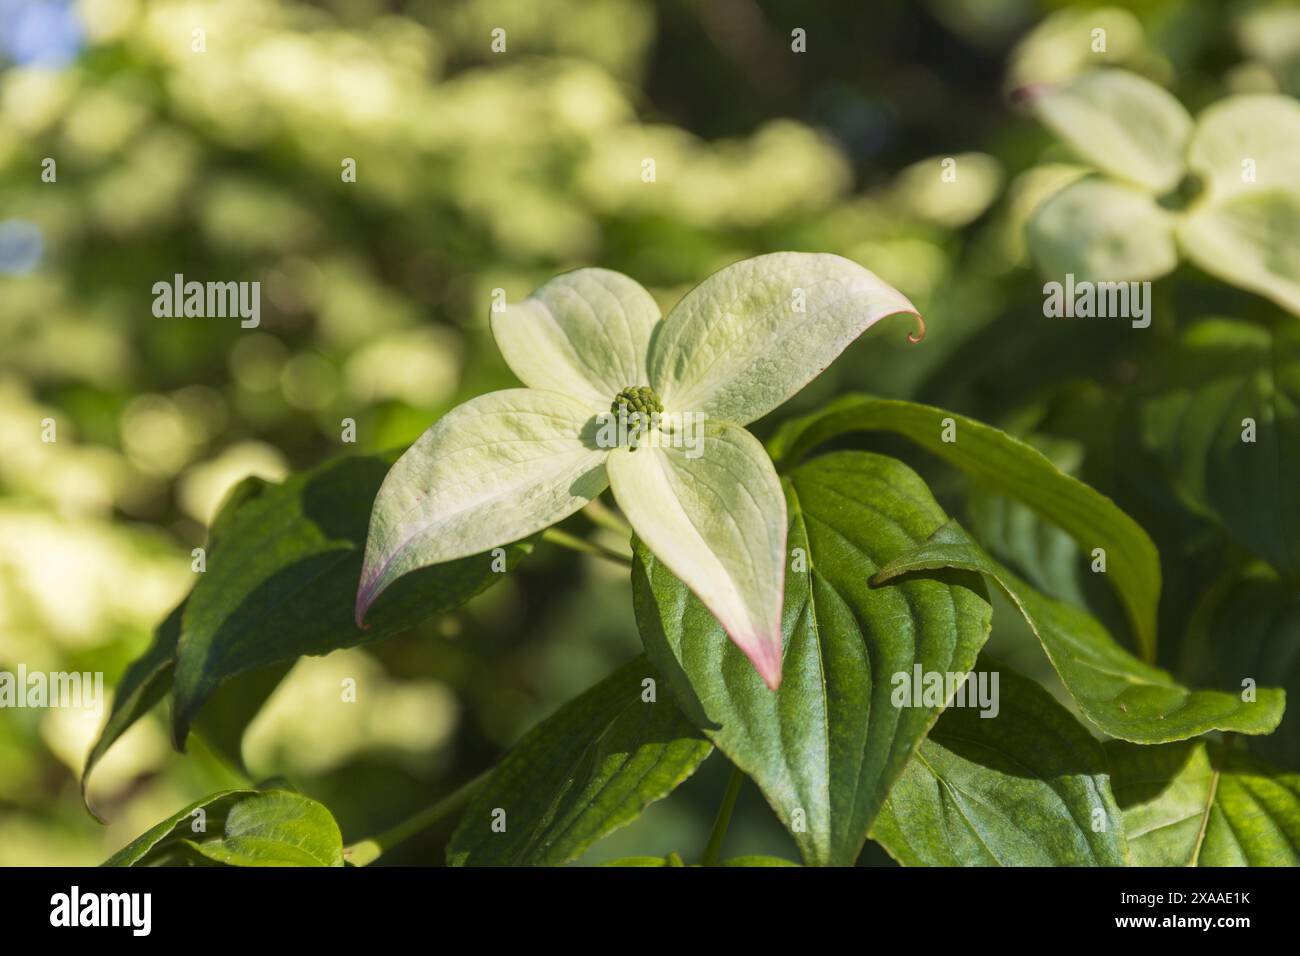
(475, 171)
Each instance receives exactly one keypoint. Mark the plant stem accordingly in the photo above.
(365, 852)
(603, 516)
(574, 543)
(714, 847)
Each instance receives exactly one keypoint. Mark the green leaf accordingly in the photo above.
(1250, 631)
(1102, 231)
(1027, 786)
(148, 678)
(824, 748)
(757, 861)
(276, 828)
(280, 582)
(144, 683)
(639, 861)
(665, 861)
(1121, 695)
(1223, 373)
(165, 842)
(231, 708)
(716, 518)
(584, 334)
(256, 828)
(587, 770)
(1122, 123)
(1022, 538)
(751, 335)
(997, 461)
(1200, 804)
(494, 470)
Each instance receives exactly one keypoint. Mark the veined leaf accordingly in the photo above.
(751, 335)
(1223, 374)
(826, 746)
(997, 461)
(584, 334)
(165, 842)
(1121, 695)
(496, 469)
(587, 770)
(1199, 804)
(275, 828)
(281, 578)
(254, 828)
(1026, 786)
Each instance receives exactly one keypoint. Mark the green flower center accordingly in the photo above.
(1188, 190)
(636, 405)
(636, 398)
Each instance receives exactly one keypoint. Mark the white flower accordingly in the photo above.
(510, 463)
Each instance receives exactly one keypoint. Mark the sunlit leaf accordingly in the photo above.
(280, 583)
(1118, 693)
(275, 828)
(584, 334)
(1027, 786)
(165, 843)
(1198, 803)
(241, 828)
(491, 471)
(582, 773)
(999, 462)
(824, 748)
(751, 335)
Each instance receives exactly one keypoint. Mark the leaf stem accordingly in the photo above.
(605, 517)
(714, 847)
(574, 543)
(365, 852)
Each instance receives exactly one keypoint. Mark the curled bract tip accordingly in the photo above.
(919, 334)
(364, 600)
